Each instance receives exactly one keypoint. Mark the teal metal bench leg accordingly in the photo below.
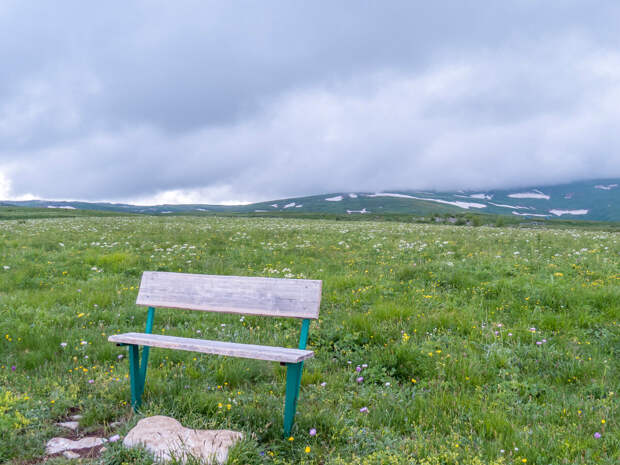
(146, 349)
(301, 369)
(134, 375)
(293, 380)
(137, 369)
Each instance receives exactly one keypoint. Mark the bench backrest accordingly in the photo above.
(294, 298)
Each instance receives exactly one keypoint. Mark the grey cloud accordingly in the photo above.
(253, 100)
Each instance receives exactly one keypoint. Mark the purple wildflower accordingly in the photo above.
(91, 381)
(312, 432)
(360, 379)
(358, 368)
(13, 368)
(597, 435)
(538, 343)
(364, 410)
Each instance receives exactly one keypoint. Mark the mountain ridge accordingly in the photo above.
(594, 200)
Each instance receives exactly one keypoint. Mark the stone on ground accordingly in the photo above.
(60, 445)
(166, 438)
(72, 425)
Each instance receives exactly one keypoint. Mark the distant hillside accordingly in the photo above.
(597, 200)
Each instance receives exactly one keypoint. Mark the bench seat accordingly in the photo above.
(270, 353)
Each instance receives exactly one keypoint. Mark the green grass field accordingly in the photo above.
(476, 345)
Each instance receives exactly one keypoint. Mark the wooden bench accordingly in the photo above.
(292, 298)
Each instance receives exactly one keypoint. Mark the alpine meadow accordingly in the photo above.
(435, 344)
(309, 232)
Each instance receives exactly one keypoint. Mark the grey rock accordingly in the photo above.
(166, 438)
(71, 455)
(72, 425)
(60, 445)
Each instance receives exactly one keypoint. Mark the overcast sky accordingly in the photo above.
(211, 102)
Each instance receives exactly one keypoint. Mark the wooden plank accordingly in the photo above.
(295, 298)
(233, 349)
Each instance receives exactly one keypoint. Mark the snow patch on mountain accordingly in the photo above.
(607, 187)
(529, 214)
(362, 211)
(338, 198)
(61, 207)
(386, 194)
(353, 196)
(289, 205)
(481, 196)
(568, 212)
(515, 207)
(465, 205)
(535, 194)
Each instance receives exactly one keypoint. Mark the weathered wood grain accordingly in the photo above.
(274, 354)
(295, 298)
